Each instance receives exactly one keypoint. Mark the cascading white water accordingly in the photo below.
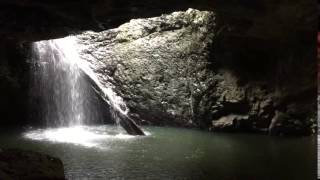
(116, 102)
(63, 92)
(63, 96)
(58, 83)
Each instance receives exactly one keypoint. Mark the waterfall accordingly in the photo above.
(65, 99)
(62, 91)
(62, 94)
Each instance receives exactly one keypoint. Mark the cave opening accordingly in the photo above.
(207, 88)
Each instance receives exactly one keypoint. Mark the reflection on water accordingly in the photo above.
(100, 152)
(87, 136)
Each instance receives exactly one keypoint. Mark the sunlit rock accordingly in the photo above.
(161, 63)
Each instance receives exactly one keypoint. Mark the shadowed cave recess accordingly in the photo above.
(217, 66)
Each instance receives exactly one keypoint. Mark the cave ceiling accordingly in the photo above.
(32, 20)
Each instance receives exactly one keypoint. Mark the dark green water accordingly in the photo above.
(172, 153)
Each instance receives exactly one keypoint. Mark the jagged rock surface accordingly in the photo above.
(167, 70)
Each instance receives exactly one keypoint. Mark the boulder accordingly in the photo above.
(171, 70)
(159, 66)
(229, 123)
(28, 165)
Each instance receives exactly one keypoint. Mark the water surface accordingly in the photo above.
(101, 152)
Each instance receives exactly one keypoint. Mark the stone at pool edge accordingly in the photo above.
(29, 165)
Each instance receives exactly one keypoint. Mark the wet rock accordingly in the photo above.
(230, 123)
(28, 165)
(128, 124)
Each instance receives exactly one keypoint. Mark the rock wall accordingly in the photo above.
(177, 70)
(13, 83)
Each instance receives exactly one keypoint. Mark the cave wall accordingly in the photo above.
(13, 83)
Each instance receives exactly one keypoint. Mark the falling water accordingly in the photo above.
(60, 89)
(64, 97)
(117, 105)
